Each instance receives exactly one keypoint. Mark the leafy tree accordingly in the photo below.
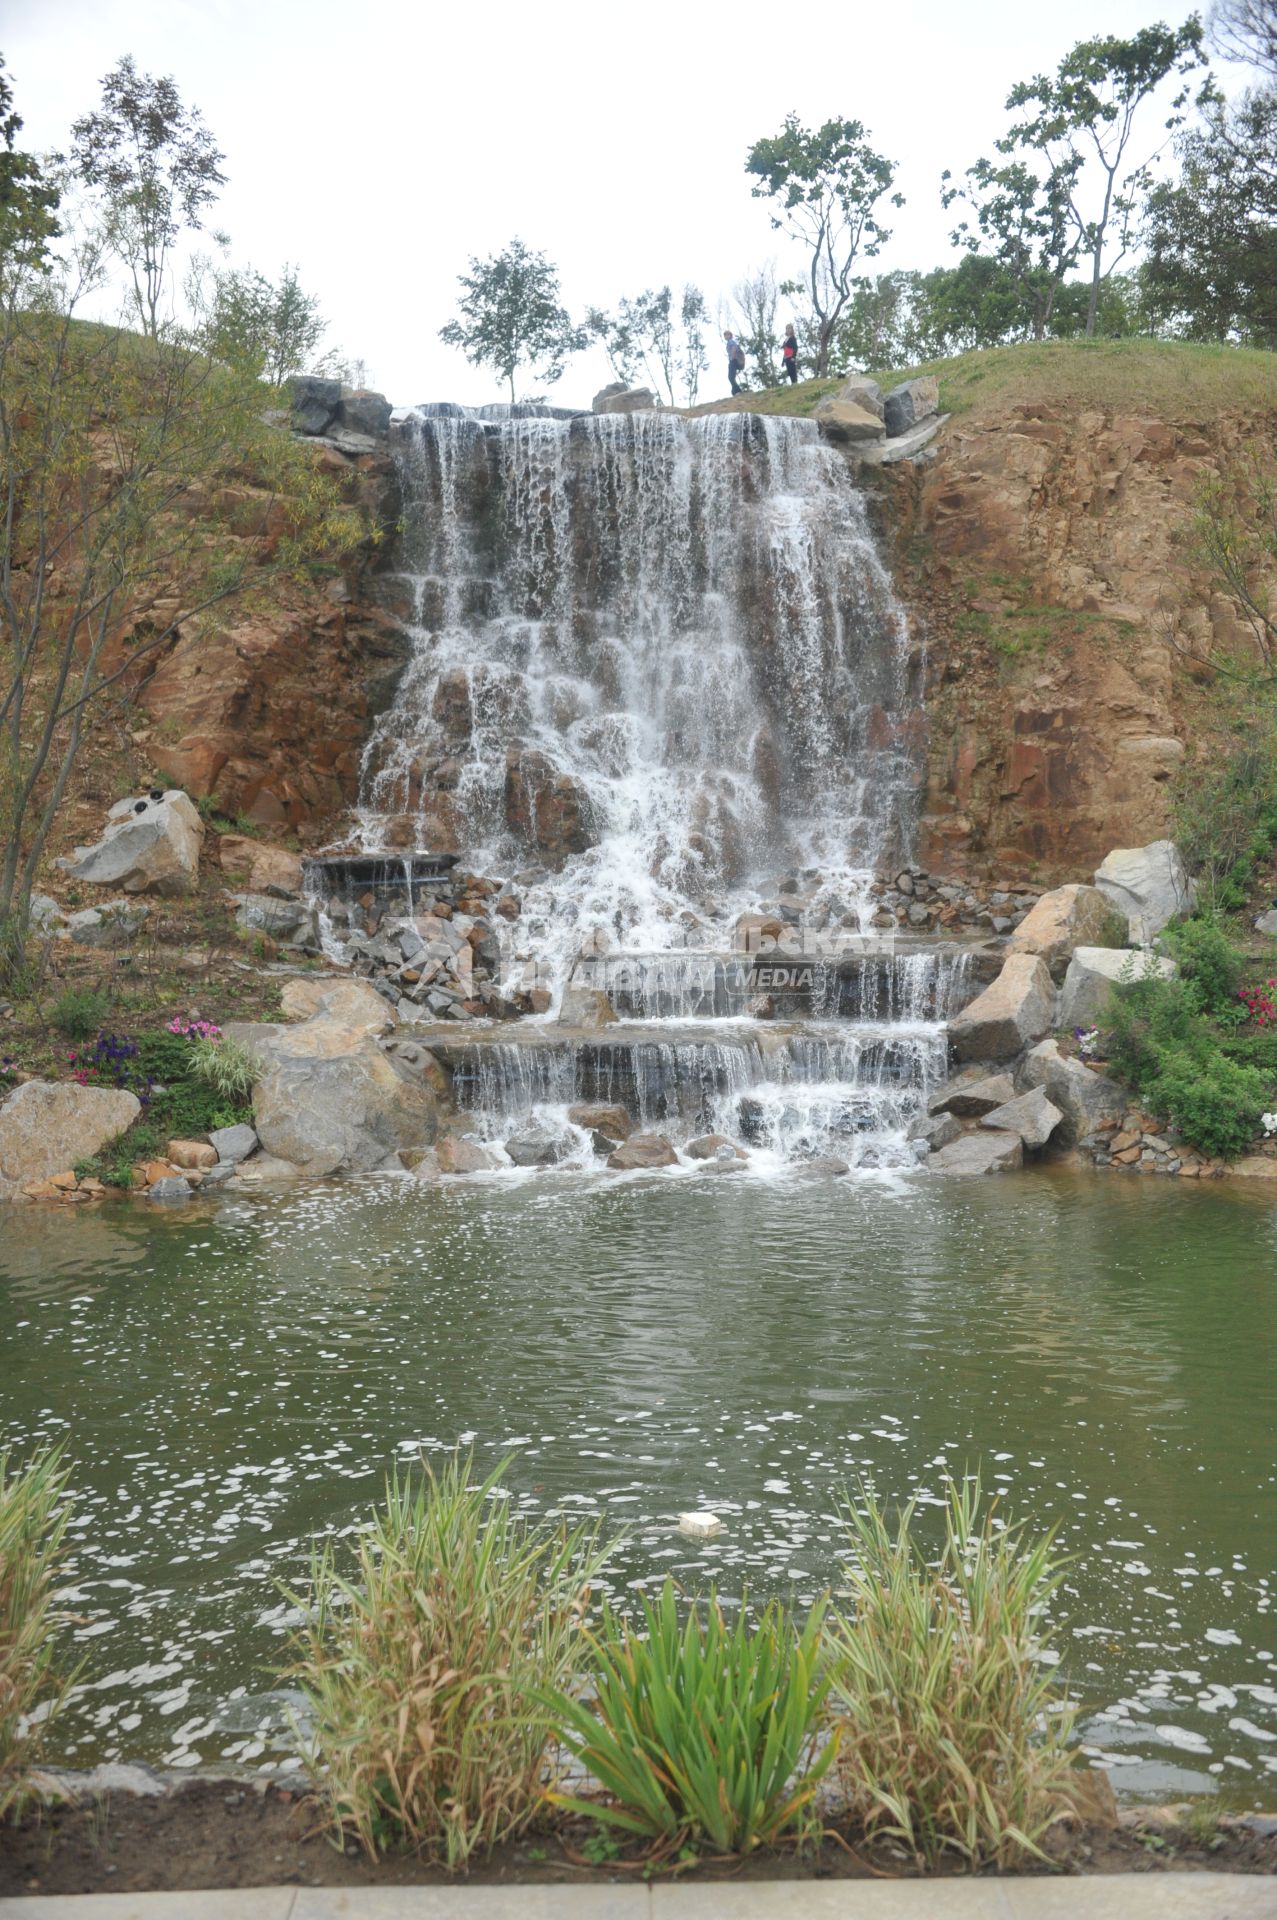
(975, 304)
(111, 446)
(1021, 219)
(1211, 267)
(1086, 113)
(880, 327)
(643, 344)
(826, 187)
(28, 198)
(511, 313)
(274, 327)
(157, 168)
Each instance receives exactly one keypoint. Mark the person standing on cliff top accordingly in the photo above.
(789, 354)
(735, 359)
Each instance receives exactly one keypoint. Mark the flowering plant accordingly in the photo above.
(1259, 1002)
(1269, 1123)
(112, 1062)
(196, 1028)
(1088, 1041)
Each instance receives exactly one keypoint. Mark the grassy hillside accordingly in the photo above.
(1170, 378)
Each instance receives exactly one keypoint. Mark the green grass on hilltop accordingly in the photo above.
(1171, 378)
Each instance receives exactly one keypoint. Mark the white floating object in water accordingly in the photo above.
(700, 1526)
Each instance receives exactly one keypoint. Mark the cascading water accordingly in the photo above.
(660, 676)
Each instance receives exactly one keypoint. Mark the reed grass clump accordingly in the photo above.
(954, 1737)
(33, 1520)
(422, 1669)
(700, 1730)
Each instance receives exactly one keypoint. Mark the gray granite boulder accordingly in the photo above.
(1085, 1099)
(1149, 885)
(1032, 1115)
(1017, 1009)
(977, 1153)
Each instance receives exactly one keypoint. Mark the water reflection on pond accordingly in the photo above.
(239, 1374)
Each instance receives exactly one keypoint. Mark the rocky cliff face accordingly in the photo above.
(268, 714)
(1043, 552)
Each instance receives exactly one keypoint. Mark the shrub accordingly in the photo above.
(227, 1066)
(1209, 960)
(1215, 1102)
(78, 1013)
(33, 1518)
(954, 1737)
(421, 1673)
(702, 1730)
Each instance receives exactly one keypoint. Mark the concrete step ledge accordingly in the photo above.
(1117, 1896)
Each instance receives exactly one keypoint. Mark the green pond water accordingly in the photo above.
(234, 1376)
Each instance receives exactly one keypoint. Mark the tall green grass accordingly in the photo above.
(700, 1730)
(33, 1519)
(422, 1668)
(954, 1736)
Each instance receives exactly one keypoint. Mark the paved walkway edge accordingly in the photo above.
(1118, 1896)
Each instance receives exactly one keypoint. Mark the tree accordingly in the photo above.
(693, 315)
(157, 168)
(1022, 220)
(757, 298)
(28, 197)
(511, 313)
(642, 342)
(1086, 112)
(880, 327)
(254, 320)
(826, 187)
(111, 448)
(978, 303)
(1247, 30)
(1211, 236)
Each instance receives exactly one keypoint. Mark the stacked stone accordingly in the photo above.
(919, 901)
(1138, 1143)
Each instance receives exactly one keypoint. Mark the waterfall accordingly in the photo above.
(659, 678)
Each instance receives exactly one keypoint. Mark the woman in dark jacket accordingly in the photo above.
(789, 355)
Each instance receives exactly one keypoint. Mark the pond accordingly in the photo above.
(235, 1376)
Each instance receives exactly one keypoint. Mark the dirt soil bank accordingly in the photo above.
(217, 1834)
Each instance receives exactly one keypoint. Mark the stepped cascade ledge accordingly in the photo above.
(661, 684)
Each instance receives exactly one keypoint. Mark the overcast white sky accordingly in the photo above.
(380, 145)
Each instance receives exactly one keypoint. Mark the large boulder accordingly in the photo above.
(847, 422)
(1017, 1009)
(328, 1098)
(313, 402)
(1032, 1115)
(977, 1153)
(613, 1122)
(293, 923)
(585, 1007)
(970, 1097)
(1068, 917)
(151, 845)
(363, 411)
(643, 1150)
(617, 398)
(1086, 1099)
(1092, 973)
(47, 1126)
(259, 867)
(1149, 885)
(909, 404)
(116, 923)
(354, 1003)
(863, 392)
